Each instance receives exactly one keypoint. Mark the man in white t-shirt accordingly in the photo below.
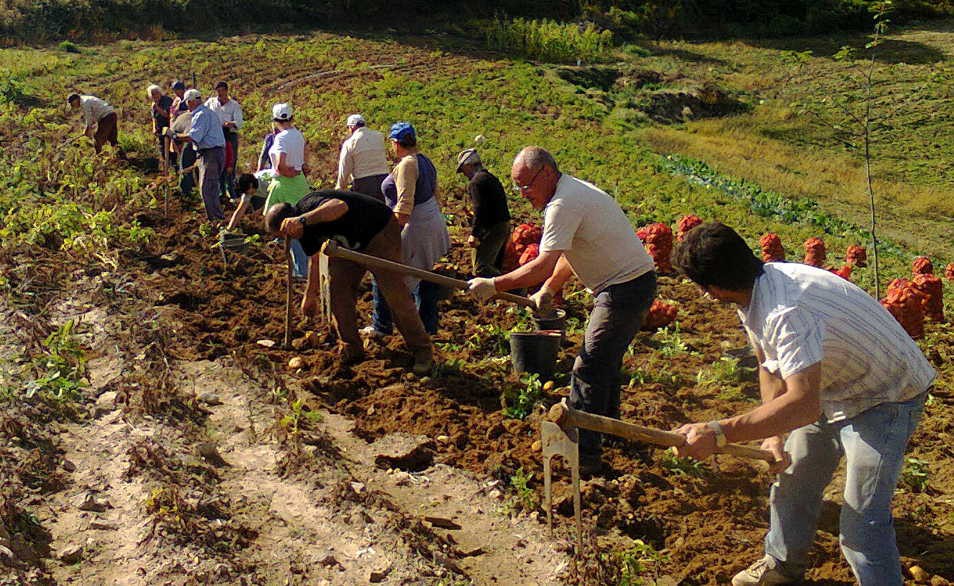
(363, 162)
(838, 372)
(584, 232)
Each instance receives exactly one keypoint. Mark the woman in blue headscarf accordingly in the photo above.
(411, 193)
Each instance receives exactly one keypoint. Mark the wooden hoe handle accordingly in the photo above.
(332, 249)
(567, 417)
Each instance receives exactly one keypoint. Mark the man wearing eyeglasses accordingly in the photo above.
(586, 233)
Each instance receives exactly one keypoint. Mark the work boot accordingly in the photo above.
(764, 572)
(423, 362)
(351, 353)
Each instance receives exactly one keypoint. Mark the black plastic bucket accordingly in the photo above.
(535, 352)
(557, 322)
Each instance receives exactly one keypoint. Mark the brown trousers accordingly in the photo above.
(346, 279)
(106, 131)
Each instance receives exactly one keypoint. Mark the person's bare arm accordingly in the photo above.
(532, 273)
(561, 274)
(239, 212)
(283, 168)
(328, 211)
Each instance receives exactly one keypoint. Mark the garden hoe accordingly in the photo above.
(559, 437)
(288, 293)
(332, 249)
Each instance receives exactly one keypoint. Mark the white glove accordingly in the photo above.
(481, 289)
(543, 301)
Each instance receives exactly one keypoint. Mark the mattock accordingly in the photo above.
(559, 436)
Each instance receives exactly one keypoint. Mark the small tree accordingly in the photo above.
(853, 120)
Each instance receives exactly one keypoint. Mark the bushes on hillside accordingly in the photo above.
(548, 40)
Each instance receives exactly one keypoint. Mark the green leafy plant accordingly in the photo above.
(670, 342)
(915, 475)
(640, 559)
(300, 417)
(526, 497)
(520, 402)
(549, 40)
(61, 368)
(682, 466)
(69, 47)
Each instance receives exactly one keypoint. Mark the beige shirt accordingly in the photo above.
(405, 180)
(591, 230)
(94, 109)
(362, 155)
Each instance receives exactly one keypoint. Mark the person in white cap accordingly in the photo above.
(491, 225)
(363, 162)
(289, 185)
(207, 138)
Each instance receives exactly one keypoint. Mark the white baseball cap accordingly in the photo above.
(467, 157)
(192, 94)
(355, 120)
(282, 112)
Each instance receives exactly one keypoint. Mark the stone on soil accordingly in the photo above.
(72, 554)
(89, 502)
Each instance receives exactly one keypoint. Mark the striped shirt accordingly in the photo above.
(801, 315)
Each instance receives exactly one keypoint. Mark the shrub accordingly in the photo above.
(69, 47)
(548, 40)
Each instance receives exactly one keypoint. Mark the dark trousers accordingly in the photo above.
(370, 185)
(617, 315)
(211, 162)
(346, 279)
(107, 130)
(227, 179)
(187, 180)
(488, 256)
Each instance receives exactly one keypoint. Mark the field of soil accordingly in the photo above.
(202, 452)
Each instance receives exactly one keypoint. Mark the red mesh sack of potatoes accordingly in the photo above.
(685, 224)
(906, 303)
(922, 265)
(844, 272)
(772, 249)
(522, 236)
(857, 256)
(531, 252)
(932, 289)
(949, 272)
(660, 315)
(658, 240)
(815, 252)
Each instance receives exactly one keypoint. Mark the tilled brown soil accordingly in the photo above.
(708, 521)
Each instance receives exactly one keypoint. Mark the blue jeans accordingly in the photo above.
(873, 443)
(617, 315)
(426, 295)
(299, 259)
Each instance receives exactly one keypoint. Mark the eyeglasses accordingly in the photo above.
(522, 188)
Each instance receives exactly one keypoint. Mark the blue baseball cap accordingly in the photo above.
(401, 130)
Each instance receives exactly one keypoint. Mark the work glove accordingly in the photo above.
(543, 301)
(481, 289)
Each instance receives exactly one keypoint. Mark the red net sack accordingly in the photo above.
(932, 288)
(658, 241)
(530, 252)
(844, 272)
(815, 252)
(906, 303)
(922, 265)
(772, 249)
(522, 236)
(857, 256)
(949, 272)
(660, 315)
(685, 224)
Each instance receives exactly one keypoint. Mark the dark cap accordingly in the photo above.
(221, 84)
(72, 97)
(178, 85)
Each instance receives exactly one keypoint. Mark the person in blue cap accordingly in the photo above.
(411, 193)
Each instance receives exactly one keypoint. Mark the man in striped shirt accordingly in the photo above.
(838, 372)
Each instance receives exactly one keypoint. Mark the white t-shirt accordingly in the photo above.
(291, 142)
(594, 234)
(801, 315)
